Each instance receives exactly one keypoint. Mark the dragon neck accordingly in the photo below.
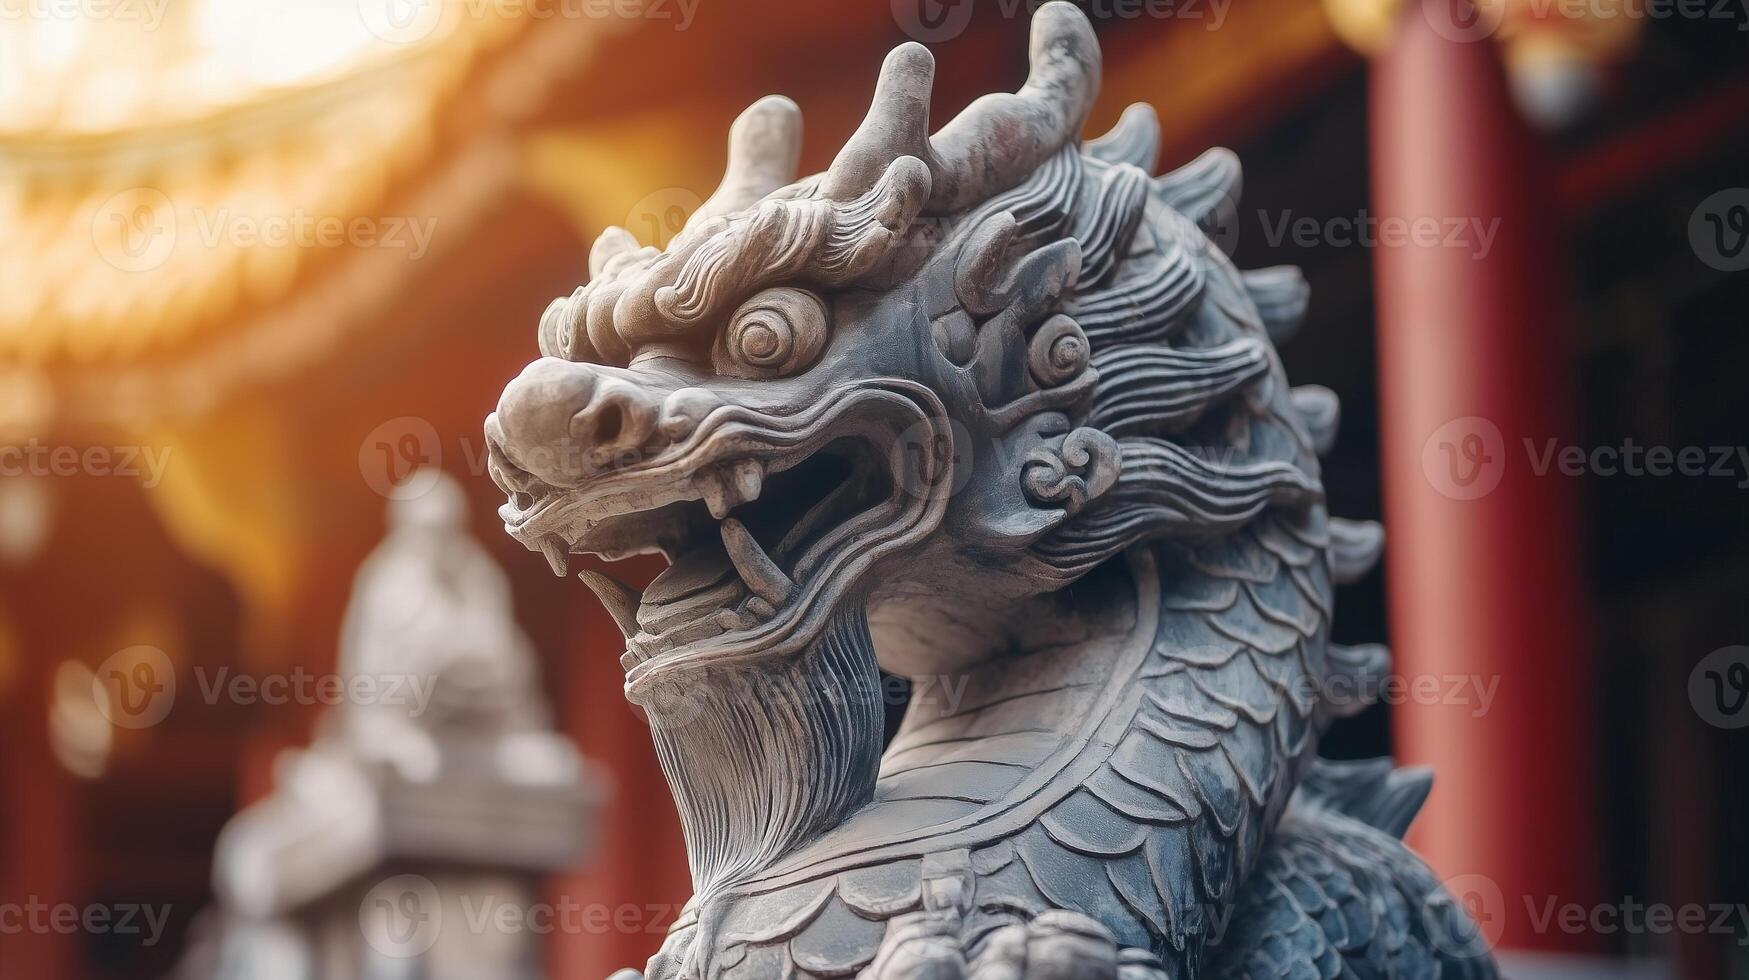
(1057, 662)
(762, 759)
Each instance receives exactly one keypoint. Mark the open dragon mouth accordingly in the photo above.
(766, 523)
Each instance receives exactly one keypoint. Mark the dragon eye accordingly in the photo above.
(778, 332)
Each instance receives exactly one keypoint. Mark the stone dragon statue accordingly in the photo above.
(984, 405)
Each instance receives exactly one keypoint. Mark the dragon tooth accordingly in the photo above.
(749, 478)
(761, 574)
(620, 599)
(557, 553)
(716, 492)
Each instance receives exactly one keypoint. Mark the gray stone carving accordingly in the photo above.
(435, 793)
(986, 409)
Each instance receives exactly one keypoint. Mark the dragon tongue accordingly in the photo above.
(761, 574)
(700, 567)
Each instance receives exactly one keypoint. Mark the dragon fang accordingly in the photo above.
(983, 404)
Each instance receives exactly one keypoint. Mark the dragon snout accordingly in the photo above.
(561, 422)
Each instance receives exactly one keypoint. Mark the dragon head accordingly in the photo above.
(950, 373)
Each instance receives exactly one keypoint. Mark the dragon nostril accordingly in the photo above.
(608, 422)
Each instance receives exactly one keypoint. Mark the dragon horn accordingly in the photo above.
(897, 125)
(1000, 139)
(765, 145)
(997, 141)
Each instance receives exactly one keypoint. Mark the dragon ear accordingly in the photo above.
(765, 146)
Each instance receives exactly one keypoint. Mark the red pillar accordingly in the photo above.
(38, 836)
(1483, 563)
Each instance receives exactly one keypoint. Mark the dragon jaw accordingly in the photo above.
(770, 519)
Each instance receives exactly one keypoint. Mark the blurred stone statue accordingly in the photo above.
(409, 839)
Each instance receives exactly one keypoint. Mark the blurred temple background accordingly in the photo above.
(265, 260)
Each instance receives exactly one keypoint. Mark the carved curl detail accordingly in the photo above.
(1082, 469)
(1058, 352)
